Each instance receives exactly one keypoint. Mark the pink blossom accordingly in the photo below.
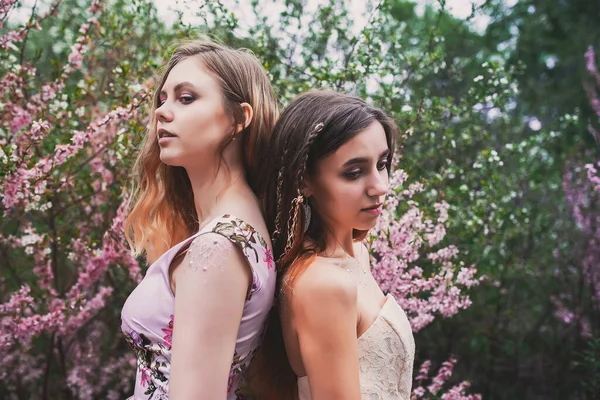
(442, 376)
(68, 276)
(418, 392)
(5, 6)
(582, 192)
(437, 383)
(400, 241)
(17, 302)
(76, 57)
(9, 38)
(591, 65)
(423, 371)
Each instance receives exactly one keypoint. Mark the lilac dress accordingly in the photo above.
(147, 316)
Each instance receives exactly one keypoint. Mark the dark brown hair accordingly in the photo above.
(310, 128)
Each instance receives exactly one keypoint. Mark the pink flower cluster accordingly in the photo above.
(571, 315)
(583, 197)
(8, 40)
(407, 243)
(590, 58)
(404, 241)
(58, 188)
(592, 175)
(5, 6)
(423, 390)
(92, 372)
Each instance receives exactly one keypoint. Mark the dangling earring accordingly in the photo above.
(292, 223)
(307, 215)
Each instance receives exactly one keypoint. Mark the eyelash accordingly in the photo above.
(186, 98)
(352, 175)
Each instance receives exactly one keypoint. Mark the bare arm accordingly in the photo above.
(325, 316)
(211, 282)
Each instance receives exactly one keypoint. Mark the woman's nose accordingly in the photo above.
(163, 113)
(379, 184)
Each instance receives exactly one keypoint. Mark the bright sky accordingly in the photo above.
(242, 10)
(458, 8)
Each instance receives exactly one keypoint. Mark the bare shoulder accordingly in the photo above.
(324, 285)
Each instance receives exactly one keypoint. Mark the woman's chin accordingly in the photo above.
(365, 226)
(170, 161)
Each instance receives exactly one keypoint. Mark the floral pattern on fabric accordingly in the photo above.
(150, 358)
(148, 313)
(168, 331)
(246, 238)
(241, 233)
(269, 258)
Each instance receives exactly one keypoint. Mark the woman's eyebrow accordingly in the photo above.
(356, 160)
(181, 85)
(363, 160)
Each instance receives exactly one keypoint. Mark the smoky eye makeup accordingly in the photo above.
(385, 159)
(353, 168)
(187, 97)
(185, 92)
(352, 174)
(383, 162)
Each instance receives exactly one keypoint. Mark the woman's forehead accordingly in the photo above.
(190, 70)
(368, 144)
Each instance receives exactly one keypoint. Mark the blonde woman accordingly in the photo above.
(197, 317)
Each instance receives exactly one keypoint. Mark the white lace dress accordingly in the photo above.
(386, 353)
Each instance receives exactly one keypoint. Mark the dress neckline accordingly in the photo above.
(388, 299)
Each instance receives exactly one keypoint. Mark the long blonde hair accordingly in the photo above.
(163, 211)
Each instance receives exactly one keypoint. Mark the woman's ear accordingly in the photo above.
(248, 114)
(307, 190)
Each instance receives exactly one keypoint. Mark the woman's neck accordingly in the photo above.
(209, 190)
(339, 243)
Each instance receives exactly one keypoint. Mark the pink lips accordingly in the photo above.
(375, 210)
(164, 136)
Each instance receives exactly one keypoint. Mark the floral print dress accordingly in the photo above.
(147, 316)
